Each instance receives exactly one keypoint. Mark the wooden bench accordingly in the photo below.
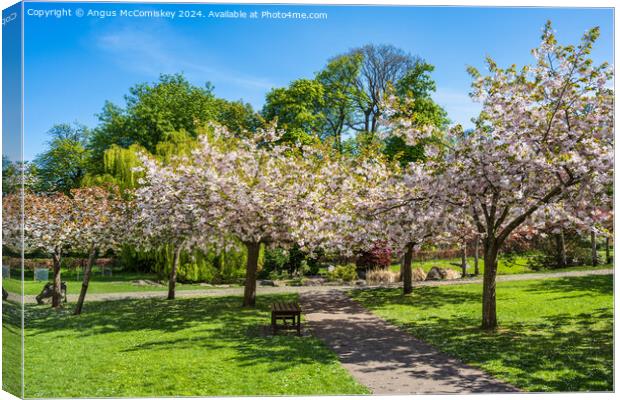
(286, 312)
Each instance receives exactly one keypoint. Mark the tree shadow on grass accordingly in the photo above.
(587, 285)
(11, 348)
(562, 352)
(215, 323)
(143, 314)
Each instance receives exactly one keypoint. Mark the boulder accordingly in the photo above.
(48, 290)
(360, 282)
(266, 282)
(452, 274)
(419, 274)
(436, 274)
(145, 282)
(313, 281)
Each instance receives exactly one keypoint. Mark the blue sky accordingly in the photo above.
(72, 65)
(11, 83)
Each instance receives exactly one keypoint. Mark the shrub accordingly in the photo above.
(275, 261)
(296, 257)
(381, 276)
(346, 273)
(419, 274)
(578, 251)
(379, 256)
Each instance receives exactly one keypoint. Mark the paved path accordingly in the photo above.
(237, 291)
(384, 358)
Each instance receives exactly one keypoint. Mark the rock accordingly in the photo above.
(452, 274)
(318, 281)
(360, 282)
(436, 274)
(48, 290)
(419, 274)
(266, 282)
(145, 282)
(330, 268)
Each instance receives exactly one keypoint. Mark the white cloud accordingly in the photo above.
(153, 52)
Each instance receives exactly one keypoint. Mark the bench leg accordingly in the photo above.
(298, 325)
(273, 324)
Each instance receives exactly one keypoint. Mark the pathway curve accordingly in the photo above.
(237, 291)
(382, 357)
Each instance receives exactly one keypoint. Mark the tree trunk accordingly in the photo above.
(249, 294)
(406, 270)
(489, 312)
(594, 254)
(172, 281)
(607, 253)
(563, 249)
(560, 250)
(464, 260)
(367, 121)
(57, 291)
(87, 270)
(476, 250)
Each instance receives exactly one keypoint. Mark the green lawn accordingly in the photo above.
(120, 282)
(11, 349)
(517, 266)
(555, 334)
(117, 283)
(187, 347)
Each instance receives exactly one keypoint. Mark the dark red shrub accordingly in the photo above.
(379, 256)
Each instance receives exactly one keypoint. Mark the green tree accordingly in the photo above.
(239, 117)
(414, 102)
(65, 163)
(298, 109)
(152, 112)
(340, 93)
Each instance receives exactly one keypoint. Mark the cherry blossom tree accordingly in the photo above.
(167, 213)
(88, 220)
(101, 219)
(45, 223)
(254, 190)
(408, 212)
(544, 139)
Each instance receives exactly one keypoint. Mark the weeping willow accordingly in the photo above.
(176, 144)
(194, 266)
(119, 162)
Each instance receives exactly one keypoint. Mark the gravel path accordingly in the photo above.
(382, 357)
(307, 289)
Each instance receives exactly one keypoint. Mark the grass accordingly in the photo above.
(518, 265)
(187, 347)
(120, 282)
(554, 335)
(11, 349)
(504, 268)
(117, 283)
